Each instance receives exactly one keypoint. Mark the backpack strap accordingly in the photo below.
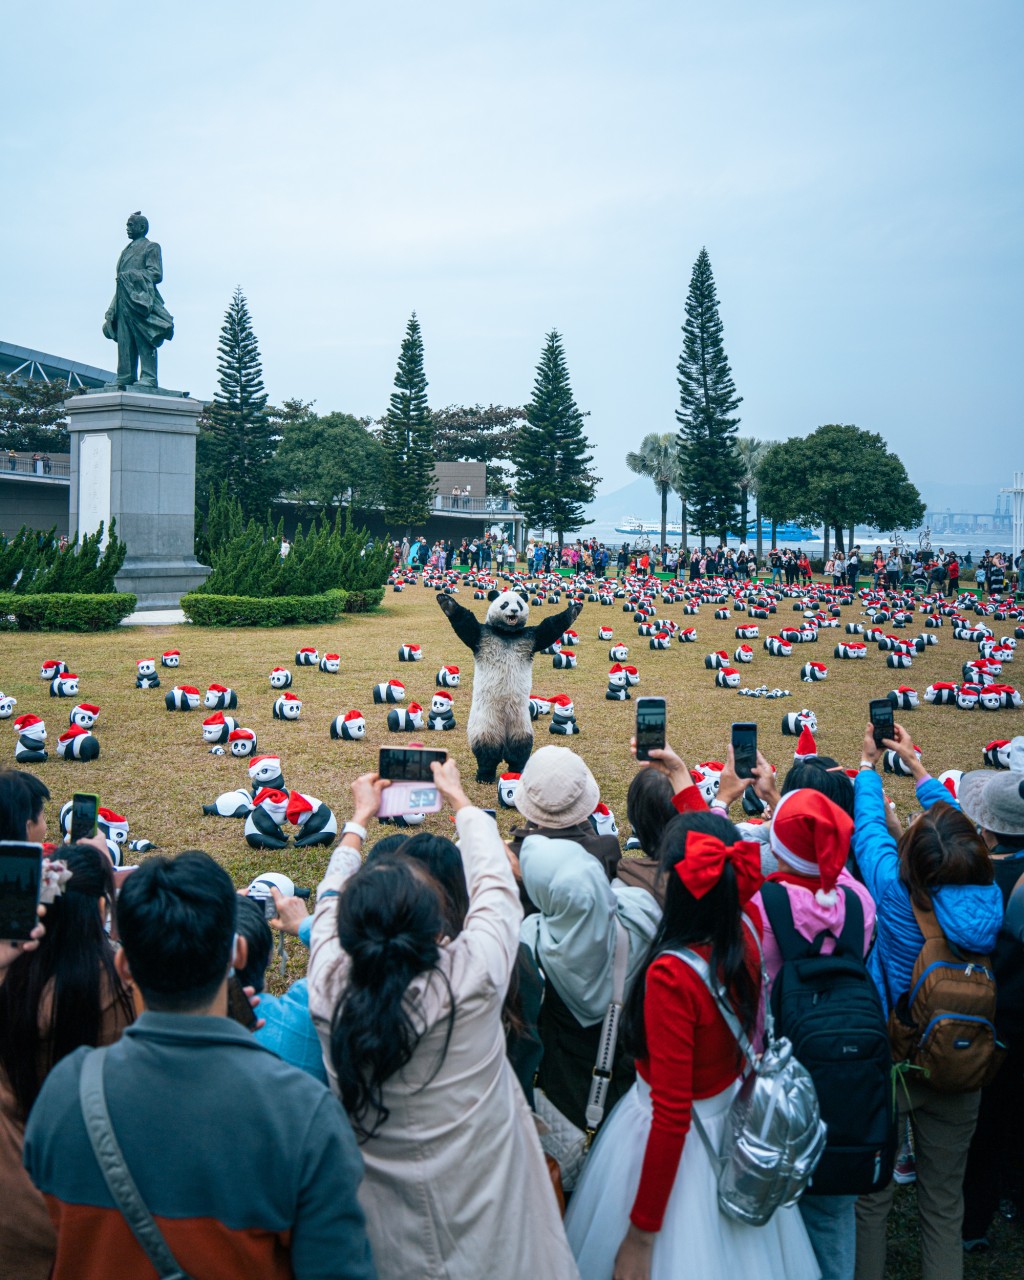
(116, 1173)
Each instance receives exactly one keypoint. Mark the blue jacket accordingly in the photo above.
(970, 915)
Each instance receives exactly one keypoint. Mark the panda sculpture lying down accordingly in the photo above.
(503, 646)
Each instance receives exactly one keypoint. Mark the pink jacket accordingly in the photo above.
(810, 917)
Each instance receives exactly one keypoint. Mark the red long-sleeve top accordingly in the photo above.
(691, 1053)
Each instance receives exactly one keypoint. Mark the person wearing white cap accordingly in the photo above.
(556, 795)
(995, 1162)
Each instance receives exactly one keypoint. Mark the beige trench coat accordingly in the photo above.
(456, 1185)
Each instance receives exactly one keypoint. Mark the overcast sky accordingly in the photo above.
(503, 169)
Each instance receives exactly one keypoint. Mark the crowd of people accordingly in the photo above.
(391, 1113)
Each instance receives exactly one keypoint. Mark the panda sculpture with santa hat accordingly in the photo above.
(349, 727)
(145, 674)
(84, 716)
(441, 714)
(264, 820)
(31, 731)
(219, 697)
(77, 744)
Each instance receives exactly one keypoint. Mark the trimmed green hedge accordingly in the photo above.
(262, 611)
(66, 611)
(365, 600)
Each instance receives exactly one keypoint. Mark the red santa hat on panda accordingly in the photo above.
(812, 836)
(806, 747)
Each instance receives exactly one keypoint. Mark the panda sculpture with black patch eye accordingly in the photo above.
(145, 674)
(499, 726)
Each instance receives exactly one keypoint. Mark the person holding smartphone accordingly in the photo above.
(410, 1022)
(65, 995)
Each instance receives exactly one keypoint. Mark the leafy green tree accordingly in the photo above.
(407, 438)
(707, 407)
(658, 459)
(473, 433)
(554, 480)
(838, 476)
(750, 452)
(32, 417)
(236, 438)
(328, 460)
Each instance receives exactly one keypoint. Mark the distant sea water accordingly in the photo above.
(976, 543)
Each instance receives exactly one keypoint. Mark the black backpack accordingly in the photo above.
(829, 1009)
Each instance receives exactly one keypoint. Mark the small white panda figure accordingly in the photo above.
(405, 719)
(287, 706)
(410, 653)
(604, 633)
(632, 675)
(145, 674)
(777, 647)
(316, 822)
(812, 671)
(77, 744)
(968, 696)
(64, 686)
(718, 659)
(508, 784)
(904, 698)
(447, 678)
(618, 653)
(743, 653)
(942, 693)
(7, 705)
(218, 727)
(390, 691)
(230, 804)
(350, 727)
(51, 669)
(727, 678)
(219, 697)
(687, 635)
(83, 716)
(265, 771)
(893, 763)
(307, 656)
(183, 697)
(563, 661)
(795, 722)
(280, 678)
(603, 820)
(170, 658)
(617, 690)
(997, 754)
(242, 742)
(441, 715)
(263, 822)
(330, 664)
(563, 716)
(539, 706)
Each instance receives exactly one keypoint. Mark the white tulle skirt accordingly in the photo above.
(696, 1239)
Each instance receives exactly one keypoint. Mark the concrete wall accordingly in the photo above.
(33, 503)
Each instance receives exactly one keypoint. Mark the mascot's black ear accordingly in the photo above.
(493, 595)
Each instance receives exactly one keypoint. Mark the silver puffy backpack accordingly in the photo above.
(774, 1135)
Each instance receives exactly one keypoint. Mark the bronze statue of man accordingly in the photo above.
(137, 319)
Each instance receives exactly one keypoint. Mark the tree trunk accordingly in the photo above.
(825, 535)
(853, 535)
(775, 532)
(664, 515)
(744, 509)
(839, 539)
(757, 518)
(684, 541)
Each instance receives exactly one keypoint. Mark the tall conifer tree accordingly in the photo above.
(554, 477)
(408, 437)
(236, 438)
(706, 413)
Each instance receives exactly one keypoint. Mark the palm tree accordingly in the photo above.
(658, 459)
(750, 451)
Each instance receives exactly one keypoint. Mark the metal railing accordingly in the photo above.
(468, 504)
(44, 468)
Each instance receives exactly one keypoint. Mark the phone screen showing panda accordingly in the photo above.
(650, 726)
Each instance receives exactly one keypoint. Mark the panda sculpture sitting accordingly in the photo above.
(499, 726)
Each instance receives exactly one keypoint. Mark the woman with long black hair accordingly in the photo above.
(52, 1001)
(410, 1019)
(687, 1061)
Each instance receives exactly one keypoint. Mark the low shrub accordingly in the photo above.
(262, 611)
(364, 601)
(71, 611)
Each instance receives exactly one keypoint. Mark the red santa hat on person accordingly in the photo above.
(812, 836)
(806, 747)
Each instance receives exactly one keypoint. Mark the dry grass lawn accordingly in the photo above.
(155, 768)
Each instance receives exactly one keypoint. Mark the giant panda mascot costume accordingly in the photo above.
(503, 645)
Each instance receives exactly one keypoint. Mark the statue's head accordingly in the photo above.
(138, 226)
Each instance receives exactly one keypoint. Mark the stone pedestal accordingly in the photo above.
(133, 459)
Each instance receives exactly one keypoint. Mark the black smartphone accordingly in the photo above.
(409, 764)
(239, 1007)
(21, 877)
(744, 748)
(84, 809)
(882, 720)
(650, 726)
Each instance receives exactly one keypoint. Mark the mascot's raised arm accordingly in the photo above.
(499, 726)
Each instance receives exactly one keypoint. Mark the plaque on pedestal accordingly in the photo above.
(133, 458)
